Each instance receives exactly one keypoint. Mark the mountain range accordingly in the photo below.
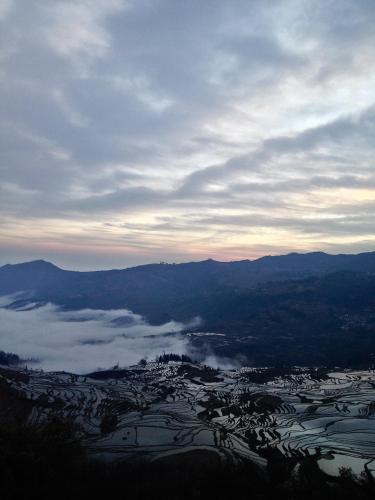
(312, 308)
(139, 287)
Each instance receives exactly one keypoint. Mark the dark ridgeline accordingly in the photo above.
(144, 289)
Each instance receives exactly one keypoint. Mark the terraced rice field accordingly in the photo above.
(159, 410)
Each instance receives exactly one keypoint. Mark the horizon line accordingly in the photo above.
(186, 262)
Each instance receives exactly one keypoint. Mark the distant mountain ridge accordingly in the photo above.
(291, 261)
(145, 289)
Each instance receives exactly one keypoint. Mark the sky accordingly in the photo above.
(136, 131)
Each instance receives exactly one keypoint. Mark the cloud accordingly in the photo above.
(75, 28)
(85, 340)
(136, 112)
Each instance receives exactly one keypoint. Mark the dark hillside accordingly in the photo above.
(155, 290)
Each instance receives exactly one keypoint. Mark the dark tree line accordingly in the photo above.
(8, 358)
(166, 357)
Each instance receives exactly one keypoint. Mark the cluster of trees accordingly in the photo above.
(8, 358)
(166, 357)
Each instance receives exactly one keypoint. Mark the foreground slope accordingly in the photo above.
(158, 411)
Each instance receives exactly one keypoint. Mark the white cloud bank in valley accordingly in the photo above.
(85, 340)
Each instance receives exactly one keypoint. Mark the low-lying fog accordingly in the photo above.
(85, 340)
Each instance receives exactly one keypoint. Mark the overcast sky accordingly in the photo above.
(135, 131)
